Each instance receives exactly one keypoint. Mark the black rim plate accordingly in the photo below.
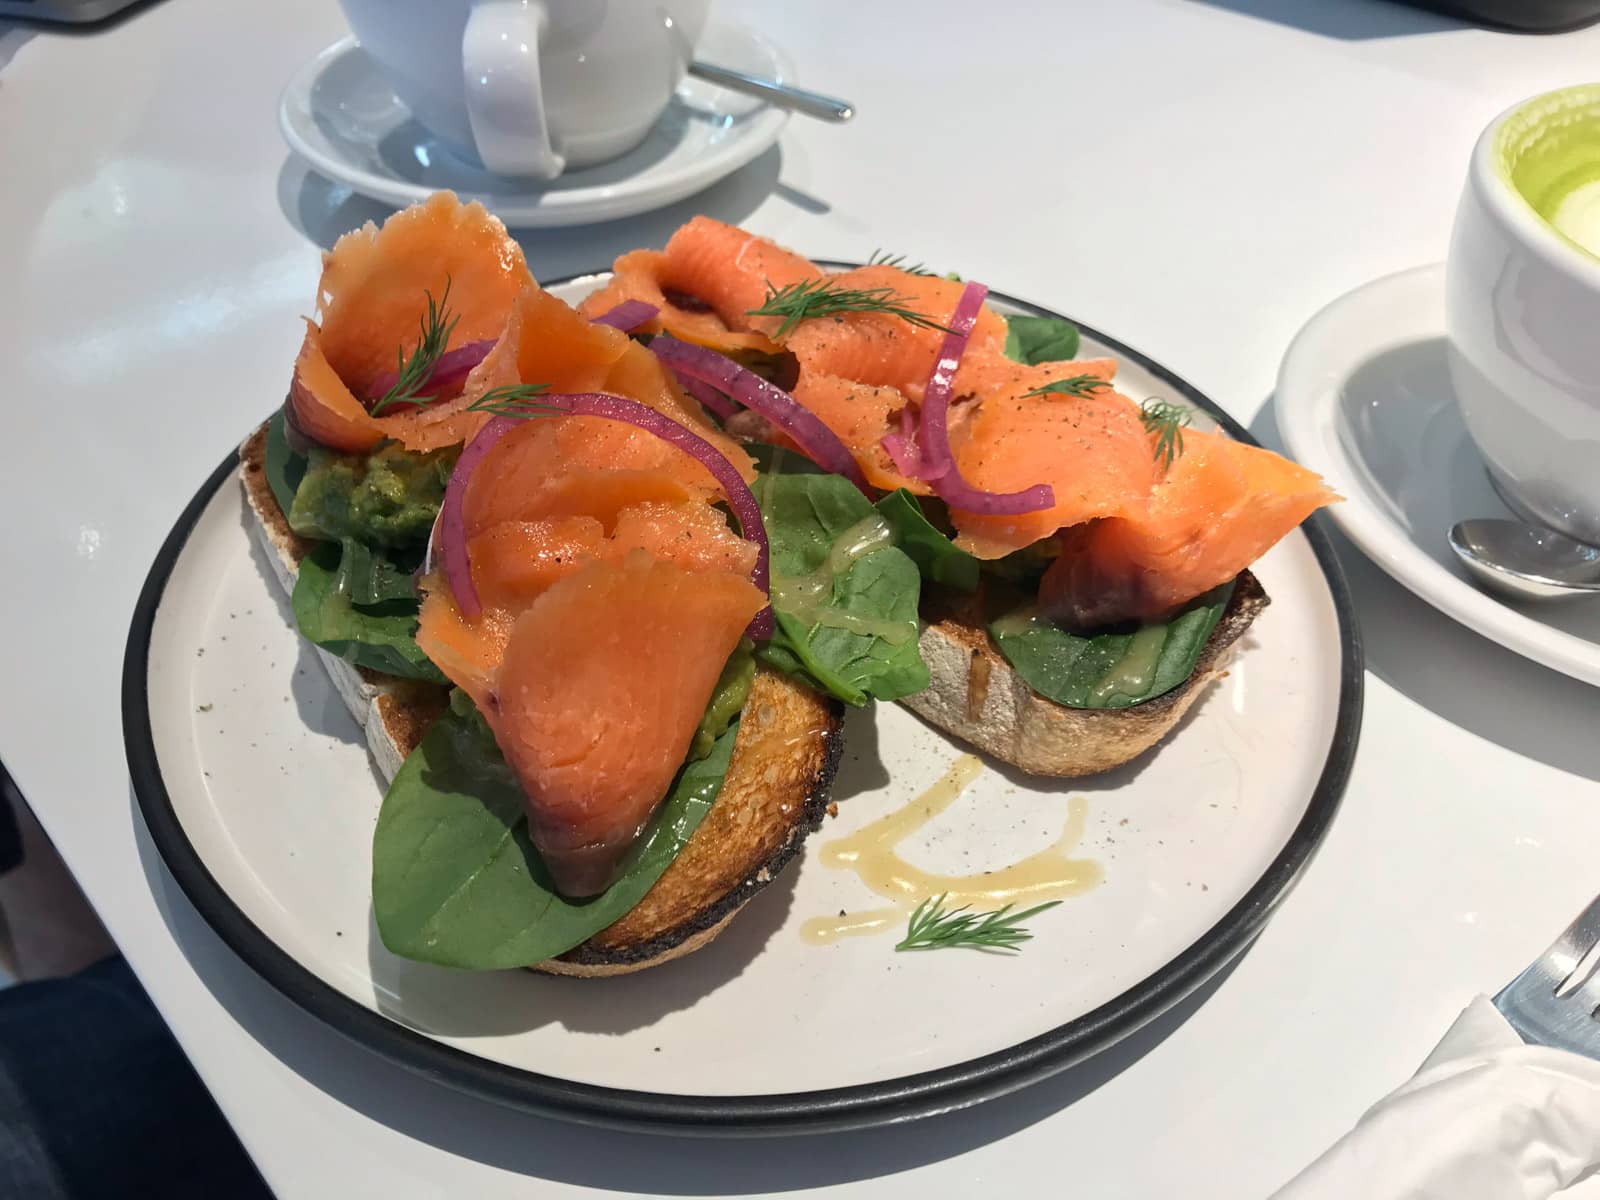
(885, 1102)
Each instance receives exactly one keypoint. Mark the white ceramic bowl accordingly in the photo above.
(1522, 311)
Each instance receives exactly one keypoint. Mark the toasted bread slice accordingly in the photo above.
(776, 789)
(975, 695)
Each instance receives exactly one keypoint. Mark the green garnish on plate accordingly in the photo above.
(934, 927)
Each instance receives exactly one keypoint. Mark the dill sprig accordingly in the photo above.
(1165, 422)
(882, 258)
(515, 400)
(411, 374)
(1077, 386)
(933, 927)
(812, 298)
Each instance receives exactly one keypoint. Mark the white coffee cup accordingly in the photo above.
(1522, 307)
(530, 88)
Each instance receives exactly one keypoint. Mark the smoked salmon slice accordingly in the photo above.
(605, 678)
(1220, 506)
(885, 350)
(705, 283)
(1092, 450)
(861, 415)
(644, 275)
(729, 269)
(548, 343)
(515, 562)
(578, 465)
(372, 298)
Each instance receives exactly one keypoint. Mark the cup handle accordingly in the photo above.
(505, 102)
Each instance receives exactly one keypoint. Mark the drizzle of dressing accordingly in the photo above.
(1136, 669)
(1022, 620)
(805, 597)
(1133, 673)
(873, 855)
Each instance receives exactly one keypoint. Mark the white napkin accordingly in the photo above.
(1486, 1117)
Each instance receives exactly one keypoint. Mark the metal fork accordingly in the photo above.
(1553, 1003)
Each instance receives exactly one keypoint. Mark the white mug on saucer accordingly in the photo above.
(1522, 307)
(531, 88)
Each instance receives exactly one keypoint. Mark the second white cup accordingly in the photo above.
(531, 88)
(1522, 308)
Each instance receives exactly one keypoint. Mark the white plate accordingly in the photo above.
(1364, 397)
(258, 791)
(339, 114)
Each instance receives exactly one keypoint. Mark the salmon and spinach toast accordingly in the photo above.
(1083, 553)
(634, 550)
(520, 515)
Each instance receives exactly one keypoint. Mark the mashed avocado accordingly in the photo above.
(387, 498)
(727, 699)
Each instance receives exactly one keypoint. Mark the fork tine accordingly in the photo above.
(1576, 940)
(1587, 997)
(1548, 1004)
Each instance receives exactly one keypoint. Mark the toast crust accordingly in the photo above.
(977, 696)
(775, 792)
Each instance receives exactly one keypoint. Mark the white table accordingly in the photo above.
(1196, 178)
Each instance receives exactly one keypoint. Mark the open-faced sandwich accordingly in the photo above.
(1086, 556)
(598, 581)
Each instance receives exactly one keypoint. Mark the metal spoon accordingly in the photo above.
(810, 104)
(1526, 562)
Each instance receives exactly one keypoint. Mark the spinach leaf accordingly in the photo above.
(380, 639)
(805, 513)
(285, 469)
(455, 878)
(1035, 340)
(936, 556)
(1108, 669)
(376, 578)
(777, 460)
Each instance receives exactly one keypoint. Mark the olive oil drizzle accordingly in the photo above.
(872, 853)
(805, 597)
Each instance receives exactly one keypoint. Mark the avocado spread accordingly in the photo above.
(387, 498)
(727, 699)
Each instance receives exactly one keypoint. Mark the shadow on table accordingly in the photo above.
(10, 28)
(1473, 683)
(322, 210)
(14, 35)
(1346, 20)
(598, 1158)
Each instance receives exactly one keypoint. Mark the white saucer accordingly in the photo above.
(1364, 398)
(339, 114)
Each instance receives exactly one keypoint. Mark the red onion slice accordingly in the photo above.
(449, 374)
(933, 435)
(452, 514)
(902, 447)
(452, 524)
(816, 440)
(708, 396)
(628, 315)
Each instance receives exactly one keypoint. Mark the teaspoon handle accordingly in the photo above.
(811, 104)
